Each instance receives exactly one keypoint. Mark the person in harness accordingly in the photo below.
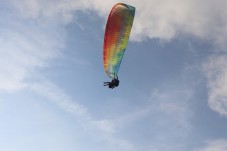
(114, 83)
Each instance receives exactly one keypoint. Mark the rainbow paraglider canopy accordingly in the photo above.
(118, 28)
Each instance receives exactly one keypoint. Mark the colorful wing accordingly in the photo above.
(117, 33)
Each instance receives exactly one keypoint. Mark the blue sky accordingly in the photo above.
(172, 94)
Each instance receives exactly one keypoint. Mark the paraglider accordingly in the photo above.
(118, 28)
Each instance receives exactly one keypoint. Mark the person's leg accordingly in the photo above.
(106, 83)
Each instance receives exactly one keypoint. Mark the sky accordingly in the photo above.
(173, 78)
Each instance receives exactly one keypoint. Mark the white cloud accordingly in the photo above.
(59, 10)
(167, 19)
(154, 18)
(215, 145)
(216, 72)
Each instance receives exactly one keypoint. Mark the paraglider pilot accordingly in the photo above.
(114, 83)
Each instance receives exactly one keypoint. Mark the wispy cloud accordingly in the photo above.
(55, 94)
(214, 145)
(102, 130)
(175, 104)
(165, 117)
(171, 106)
(24, 47)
